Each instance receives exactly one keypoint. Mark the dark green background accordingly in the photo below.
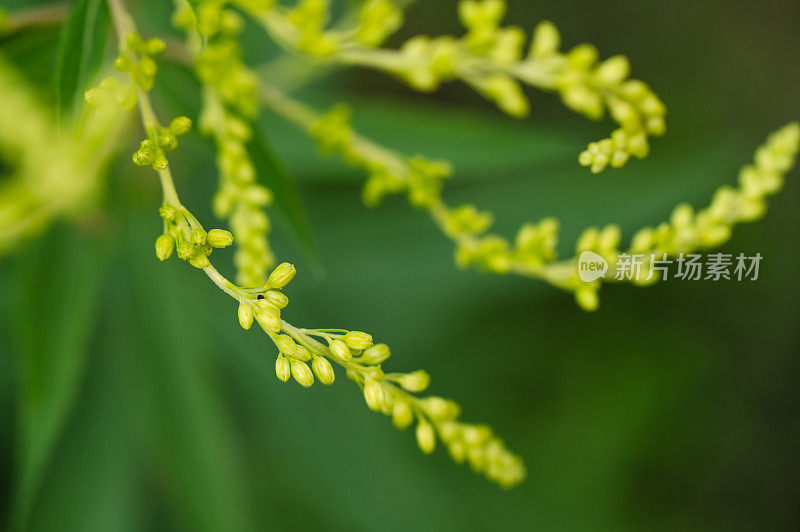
(673, 408)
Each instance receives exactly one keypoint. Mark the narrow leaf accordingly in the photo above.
(55, 312)
(80, 53)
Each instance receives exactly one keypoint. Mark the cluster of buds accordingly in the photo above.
(688, 230)
(393, 394)
(229, 104)
(192, 242)
(591, 87)
(264, 304)
(152, 151)
(138, 59)
(491, 59)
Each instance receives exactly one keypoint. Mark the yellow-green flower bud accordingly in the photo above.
(165, 244)
(181, 126)
(219, 238)
(269, 320)
(123, 63)
(276, 299)
(440, 409)
(285, 344)
(417, 381)
(199, 261)
(283, 368)
(199, 237)
(302, 354)
(376, 354)
(167, 212)
(426, 437)
(302, 374)
(340, 350)
(373, 394)
(282, 275)
(160, 162)
(358, 340)
(546, 40)
(184, 250)
(155, 47)
(402, 415)
(134, 42)
(246, 315)
(458, 451)
(323, 370)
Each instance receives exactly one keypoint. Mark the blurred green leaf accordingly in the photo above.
(54, 313)
(190, 429)
(288, 206)
(81, 51)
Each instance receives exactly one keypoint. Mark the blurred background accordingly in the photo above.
(130, 399)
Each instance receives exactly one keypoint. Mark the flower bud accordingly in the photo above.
(123, 63)
(376, 354)
(184, 250)
(458, 451)
(282, 275)
(245, 316)
(167, 141)
(181, 126)
(302, 354)
(270, 321)
(402, 416)
(160, 162)
(283, 369)
(416, 381)
(439, 408)
(199, 261)
(276, 299)
(219, 238)
(302, 374)
(373, 393)
(167, 212)
(285, 344)
(155, 47)
(199, 237)
(340, 350)
(165, 245)
(358, 340)
(426, 437)
(323, 370)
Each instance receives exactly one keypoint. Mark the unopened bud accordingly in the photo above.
(302, 374)
(402, 416)
(340, 350)
(245, 316)
(165, 245)
(282, 275)
(283, 368)
(323, 370)
(416, 381)
(426, 437)
(276, 299)
(270, 321)
(219, 238)
(285, 344)
(373, 393)
(358, 340)
(376, 354)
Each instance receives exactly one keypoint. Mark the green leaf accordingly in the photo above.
(81, 51)
(51, 349)
(288, 206)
